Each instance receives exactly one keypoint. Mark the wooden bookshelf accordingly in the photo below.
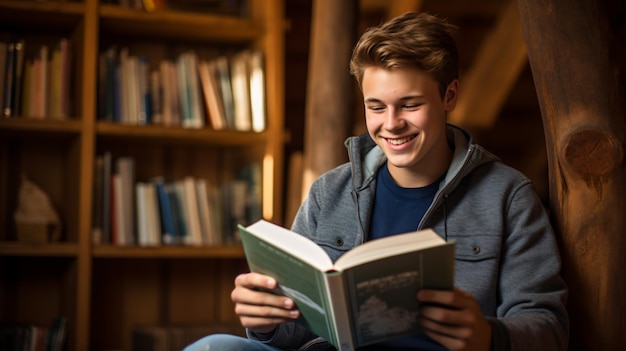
(106, 290)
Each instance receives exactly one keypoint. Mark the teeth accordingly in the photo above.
(399, 141)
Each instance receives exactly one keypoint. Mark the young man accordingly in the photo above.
(414, 170)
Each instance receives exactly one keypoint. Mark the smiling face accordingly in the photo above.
(406, 116)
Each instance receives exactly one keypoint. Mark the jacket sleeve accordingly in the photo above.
(291, 336)
(532, 292)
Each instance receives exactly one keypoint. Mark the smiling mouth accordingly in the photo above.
(400, 141)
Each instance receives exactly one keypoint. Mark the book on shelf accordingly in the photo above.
(124, 200)
(189, 90)
(225, 92)
(368, 295)
(37, 85)
(28, 336)
(98, 200)
(212, 97)
(59, 81)
(106, 84)
(117, 208)
(191, 210)
(186, 211)
(178, 213)
(41, 78)
(9, 81)
(226, 89)
(165, 211)
(144, 91)
(240, 82)
(3, 60)
(208, 213)
(155, 97)
(148, 218)
(18, 81)
(257, 91)
(106, 197)
(13, 77)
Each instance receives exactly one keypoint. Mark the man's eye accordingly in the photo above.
(376, 108)
(411, 106)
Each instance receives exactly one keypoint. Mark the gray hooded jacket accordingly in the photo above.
(506, 253)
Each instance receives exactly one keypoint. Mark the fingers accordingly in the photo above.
(454, 319)
(256, 317)
(257, 307)
(255, 280)
(455, 298)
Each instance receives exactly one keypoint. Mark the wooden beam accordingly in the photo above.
(397, 7)
(329, 87)
(497, 66)
(576, 57)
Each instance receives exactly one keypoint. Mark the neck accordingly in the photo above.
(427, 172)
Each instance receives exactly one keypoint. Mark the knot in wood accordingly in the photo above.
(591, 153)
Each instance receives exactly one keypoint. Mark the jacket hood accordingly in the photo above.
(366, 157)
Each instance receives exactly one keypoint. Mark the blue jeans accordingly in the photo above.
(227, 342)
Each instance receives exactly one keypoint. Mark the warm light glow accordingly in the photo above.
(257, 92)
(268, 187)
(308, 177)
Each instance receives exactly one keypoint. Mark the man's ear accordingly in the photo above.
(449, 100)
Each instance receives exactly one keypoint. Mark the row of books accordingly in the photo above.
(35, 83)
(226, 92)
(155, 212)
(30, 337)
(175, 338)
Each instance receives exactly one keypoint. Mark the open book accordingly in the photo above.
(368, 295)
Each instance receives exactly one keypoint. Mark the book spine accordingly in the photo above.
(191, 208)
(106, 198)
(143, 225)
(64, 46)
(96, 226)
(9, 77)
(44, 73)
(19, 78)
(165, 209)
(340, 315)
(3, 60)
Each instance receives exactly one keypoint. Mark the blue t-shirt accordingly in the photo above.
(399, 210)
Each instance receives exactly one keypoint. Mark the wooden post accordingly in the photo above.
(494, 71)
(575, 49)
(330, 86)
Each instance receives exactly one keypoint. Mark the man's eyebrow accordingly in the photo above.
(372, 100)
(406, 98)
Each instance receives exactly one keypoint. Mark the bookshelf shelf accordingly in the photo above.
(106, 290)
(190, 26)
(174, 252)
(70, 127)
(9, 248)
(55, 7)
(181, 135)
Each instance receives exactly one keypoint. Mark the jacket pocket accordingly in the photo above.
(477, 247)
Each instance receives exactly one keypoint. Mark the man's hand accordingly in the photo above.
(260, 310)
(453, 319)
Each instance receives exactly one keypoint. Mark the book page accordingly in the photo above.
(297, 245)
(382, 294)
(388, 246)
